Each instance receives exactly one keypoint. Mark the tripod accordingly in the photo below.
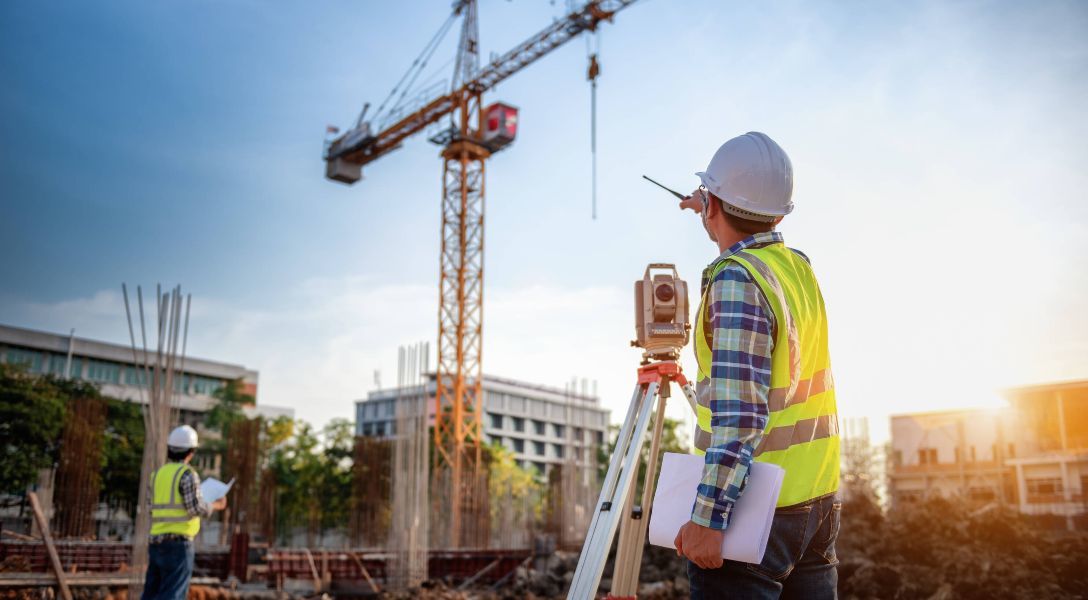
(654, 381)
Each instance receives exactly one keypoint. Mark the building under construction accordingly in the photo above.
(1032, 455)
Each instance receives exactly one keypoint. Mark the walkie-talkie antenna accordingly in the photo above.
(673, 192)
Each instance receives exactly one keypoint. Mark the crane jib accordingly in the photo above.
(365, 149)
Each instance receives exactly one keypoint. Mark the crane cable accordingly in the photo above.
(593, 48)
(417, 65)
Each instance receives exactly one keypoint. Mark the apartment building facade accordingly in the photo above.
(1032, 455)
(542, 426)
(112, 368)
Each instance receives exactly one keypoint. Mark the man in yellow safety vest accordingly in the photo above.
(177, 506)
(764, 387)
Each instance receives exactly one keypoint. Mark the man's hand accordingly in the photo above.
(701, 545)
(693, 202)
(220, 504)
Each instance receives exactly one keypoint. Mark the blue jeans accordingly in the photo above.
(800, 562)
(169, 569)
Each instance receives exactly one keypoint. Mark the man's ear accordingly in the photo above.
(713, 206)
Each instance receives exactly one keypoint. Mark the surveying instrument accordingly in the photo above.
(662, 328)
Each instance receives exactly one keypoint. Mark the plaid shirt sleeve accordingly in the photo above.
(742, 326)
(192, 497)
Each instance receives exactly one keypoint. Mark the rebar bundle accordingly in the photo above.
(411, 473)
(79, 479)
(371, 486)
(156, 368)
(578, 475)
(241, 464)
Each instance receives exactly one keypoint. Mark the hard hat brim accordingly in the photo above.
(729, 206)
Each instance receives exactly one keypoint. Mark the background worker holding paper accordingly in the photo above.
(177, 505)
(765, 391)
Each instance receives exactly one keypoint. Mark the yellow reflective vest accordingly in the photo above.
(802, 427)
(168, 514)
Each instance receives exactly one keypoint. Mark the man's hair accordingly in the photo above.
(748, 226)
(745, 226)
(178, 454)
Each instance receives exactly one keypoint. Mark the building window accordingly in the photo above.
(538, 427)
(181, 384)
(981, 494)
(538, 448)
(927, 456)
(519, 424)
(600, 438)
(559, 430)
(133, 376)
(1044, 489)
(579, 436)
(104, 372)
(558, 449)
(496, 420)
(58, 363)
(539, 466)
(205, 385)
(28, 358)
(519, 446)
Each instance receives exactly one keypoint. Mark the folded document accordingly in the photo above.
(212, 489)
(750, 526)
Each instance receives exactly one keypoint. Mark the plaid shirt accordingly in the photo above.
(191, 497)
(741, 329)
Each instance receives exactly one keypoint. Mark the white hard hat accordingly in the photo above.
(182, 438)
(753, 176)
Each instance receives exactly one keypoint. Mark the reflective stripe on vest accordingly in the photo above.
(168, 513)
(802, 425)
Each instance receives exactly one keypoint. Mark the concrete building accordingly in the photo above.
(112, 368)
(1032, 455)
(542, 426)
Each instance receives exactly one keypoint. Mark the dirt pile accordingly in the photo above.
(941, 549)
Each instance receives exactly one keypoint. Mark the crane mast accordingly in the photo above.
(467, 144)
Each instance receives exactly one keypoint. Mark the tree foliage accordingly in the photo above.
(32, 410)
(123, 454)
(312, 470)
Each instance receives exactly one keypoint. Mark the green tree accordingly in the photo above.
(123, 454)
(230, 399)
(32, 410)
(512, 489)
(338, 442)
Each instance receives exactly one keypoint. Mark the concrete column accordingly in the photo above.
(1021, 488)
(1067, 494)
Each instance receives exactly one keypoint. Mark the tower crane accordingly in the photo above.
(475, 133)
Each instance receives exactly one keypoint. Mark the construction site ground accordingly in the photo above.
(936, 550)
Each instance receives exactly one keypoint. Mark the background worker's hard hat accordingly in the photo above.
(182, 438)
(753, 177)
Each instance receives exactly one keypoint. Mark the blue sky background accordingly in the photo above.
(938, 150)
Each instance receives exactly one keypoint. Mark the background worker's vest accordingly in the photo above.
(168, 514)
(802, 427)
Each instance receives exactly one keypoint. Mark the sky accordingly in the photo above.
(938, 152)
